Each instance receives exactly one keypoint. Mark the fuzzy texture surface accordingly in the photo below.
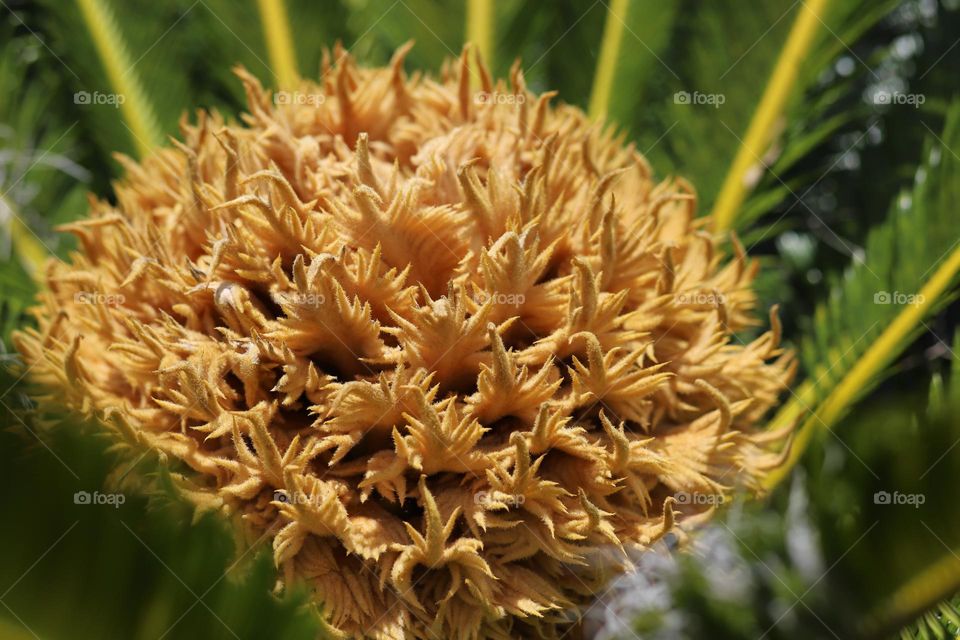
(449, 346)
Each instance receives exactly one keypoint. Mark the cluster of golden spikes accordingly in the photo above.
(456, 350)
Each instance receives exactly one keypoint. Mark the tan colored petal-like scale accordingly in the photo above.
(456, 354)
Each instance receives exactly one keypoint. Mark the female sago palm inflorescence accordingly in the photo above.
(449, 345)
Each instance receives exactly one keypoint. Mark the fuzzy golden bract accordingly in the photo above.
(467, 337)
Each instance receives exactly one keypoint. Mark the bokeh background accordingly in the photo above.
(821, 556)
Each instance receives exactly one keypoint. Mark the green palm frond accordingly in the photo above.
(826, 111)
(37, 173)
(882, 302)
(644, 28)
(828, 31)
(177, 578)
(882, 500)
(436, 27)
(912, 450)
(479, 27)
(177, 56)
(276, 30)
(941, 622)
(28, 247)
(136, 109)
(716, 55)
(772, 104)
(11, 313)
(609, 52)
(10, 632)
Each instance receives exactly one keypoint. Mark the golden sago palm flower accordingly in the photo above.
(455, 350)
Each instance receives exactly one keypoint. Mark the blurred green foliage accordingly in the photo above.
(132, 566)
(836, 172)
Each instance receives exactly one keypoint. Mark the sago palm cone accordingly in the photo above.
(451, 347)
